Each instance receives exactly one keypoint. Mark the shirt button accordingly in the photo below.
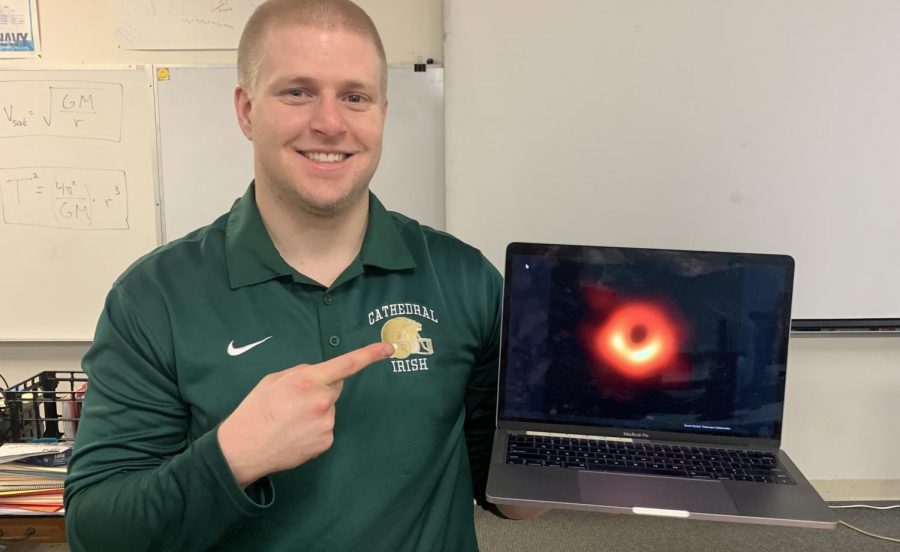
(334, 341)
(326, 299)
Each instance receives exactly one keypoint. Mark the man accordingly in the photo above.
(230, 406)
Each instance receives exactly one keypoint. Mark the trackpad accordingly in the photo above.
(627, 491)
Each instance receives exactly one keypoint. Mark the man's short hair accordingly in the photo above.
(322, 14)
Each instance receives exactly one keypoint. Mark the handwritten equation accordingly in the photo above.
(180, 8)
(71, 109)
(182, 24)
(61, 197)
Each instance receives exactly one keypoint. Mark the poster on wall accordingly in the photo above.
(18, 29)
(182, 24)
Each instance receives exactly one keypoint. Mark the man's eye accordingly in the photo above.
(296, 92)
(355, 98)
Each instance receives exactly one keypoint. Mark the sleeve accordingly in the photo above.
(136, 480)
(481, 391)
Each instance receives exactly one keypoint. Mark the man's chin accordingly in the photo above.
(330, 206)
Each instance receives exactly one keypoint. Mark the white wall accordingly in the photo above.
(841, 415)
(763, 126)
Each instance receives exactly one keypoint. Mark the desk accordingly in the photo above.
(32, 529)
(576, 531)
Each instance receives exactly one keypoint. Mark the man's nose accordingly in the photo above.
(327, 117)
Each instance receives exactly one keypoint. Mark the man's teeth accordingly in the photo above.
(325, 157)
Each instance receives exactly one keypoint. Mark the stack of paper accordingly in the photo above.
(25, 486)
(29, 487)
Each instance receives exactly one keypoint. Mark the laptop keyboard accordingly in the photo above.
(645, 458)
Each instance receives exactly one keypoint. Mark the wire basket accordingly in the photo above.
(47, 405)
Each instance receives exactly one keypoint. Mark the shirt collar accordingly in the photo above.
(251, 257)
(383, 245)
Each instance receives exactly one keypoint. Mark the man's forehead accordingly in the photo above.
(312, 62)
(319, 42)
(326, 35)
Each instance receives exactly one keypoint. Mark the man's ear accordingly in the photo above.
(242, 108)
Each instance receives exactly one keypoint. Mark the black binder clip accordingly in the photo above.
(420, 67)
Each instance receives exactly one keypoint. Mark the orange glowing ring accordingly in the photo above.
(637, 340)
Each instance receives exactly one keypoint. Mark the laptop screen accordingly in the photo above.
(646, 339)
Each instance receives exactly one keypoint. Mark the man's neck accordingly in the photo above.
(319, 247)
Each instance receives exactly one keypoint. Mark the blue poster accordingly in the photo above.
(17, 29)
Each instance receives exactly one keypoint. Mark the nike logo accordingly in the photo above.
(235, 351)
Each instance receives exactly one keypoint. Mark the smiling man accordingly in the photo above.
(310, 371)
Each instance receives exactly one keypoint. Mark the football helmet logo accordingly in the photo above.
(404, 333)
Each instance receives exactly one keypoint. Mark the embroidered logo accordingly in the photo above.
(235, 351)
(394, 309)
(405, 334)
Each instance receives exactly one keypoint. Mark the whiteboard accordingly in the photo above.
(77, 192)
(761, 126)
(205, 163)
(181, 24)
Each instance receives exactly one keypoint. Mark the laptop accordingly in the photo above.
(647, 381)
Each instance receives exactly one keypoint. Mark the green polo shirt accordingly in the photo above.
(191, 328)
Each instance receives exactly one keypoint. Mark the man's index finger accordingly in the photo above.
(347, 364)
